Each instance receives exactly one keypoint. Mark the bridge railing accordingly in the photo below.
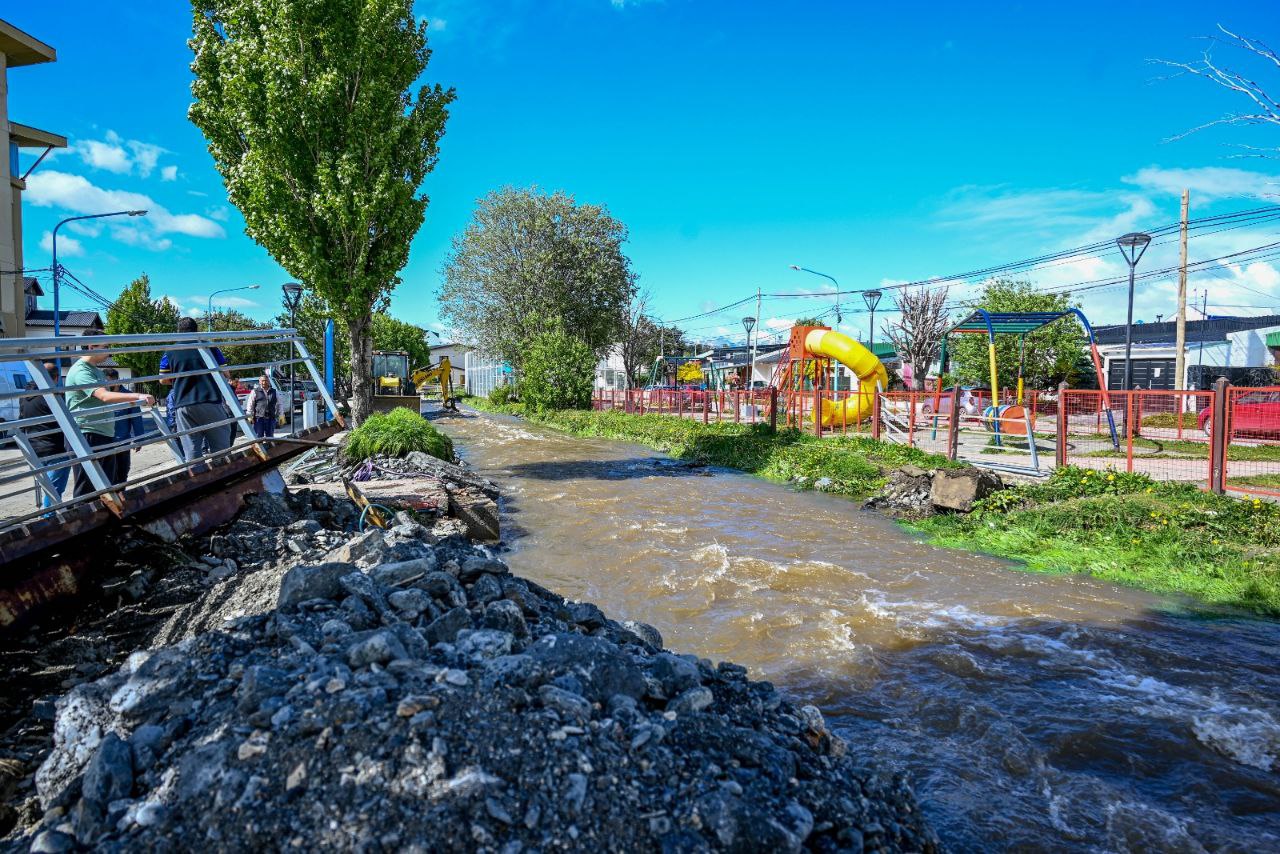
(97, 464)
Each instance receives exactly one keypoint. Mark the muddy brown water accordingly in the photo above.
(1030, 711)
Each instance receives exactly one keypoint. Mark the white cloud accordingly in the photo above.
(109, 156)
(131, 236)
(75, 193)
(779, 323)
(1207, 183)
(123, 156)
(145, 156)
(68, 247)
(221, 214)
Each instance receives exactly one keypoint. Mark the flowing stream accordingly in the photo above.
(1030, 711)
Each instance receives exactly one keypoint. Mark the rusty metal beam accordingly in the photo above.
(47, 560)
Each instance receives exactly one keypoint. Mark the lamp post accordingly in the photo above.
(872, 299)
(1132, 246)
(209, 311)
(292, 296)
(748, 323)
(57, 307)
(839, 318)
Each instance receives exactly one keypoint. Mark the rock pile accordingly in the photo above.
(914, 492)
(417, 481)
(408, 692)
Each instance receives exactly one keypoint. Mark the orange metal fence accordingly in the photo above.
(739, 407)
(1251, 454)
(1224, 439)
(1157, 433)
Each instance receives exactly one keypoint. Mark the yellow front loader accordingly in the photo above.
(440, 374)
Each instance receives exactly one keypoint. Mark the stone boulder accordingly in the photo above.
(958, 489)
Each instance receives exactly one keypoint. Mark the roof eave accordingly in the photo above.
(22, 48)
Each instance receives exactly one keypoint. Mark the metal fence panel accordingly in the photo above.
(1252, 453)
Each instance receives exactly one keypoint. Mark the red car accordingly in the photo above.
(1256, 414)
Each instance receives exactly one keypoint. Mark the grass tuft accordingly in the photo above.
(396, 434)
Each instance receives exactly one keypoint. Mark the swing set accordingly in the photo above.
(1022, 324)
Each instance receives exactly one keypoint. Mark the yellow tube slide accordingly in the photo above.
(828, 343)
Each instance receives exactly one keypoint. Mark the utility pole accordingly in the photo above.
(1180, 365)
(755, 344)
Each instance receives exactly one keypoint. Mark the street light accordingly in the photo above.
(209, 311)
(57, 270)
(748, 323)
(292, 296)
(1132, 246)
(836, 383)
(872, 299)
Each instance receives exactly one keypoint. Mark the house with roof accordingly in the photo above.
(17, 50)
(1235, 347)
(72, 322)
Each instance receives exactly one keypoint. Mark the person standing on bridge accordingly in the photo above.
(86, 405)
(196, 399)
(49, 448)
(263, 408)
(129, 426)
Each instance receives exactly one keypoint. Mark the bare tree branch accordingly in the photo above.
(918, 333)
(1267, 108)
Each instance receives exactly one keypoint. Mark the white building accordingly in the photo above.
(611, 372)
(456, 352)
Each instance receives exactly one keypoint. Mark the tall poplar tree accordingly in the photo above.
(323, 138)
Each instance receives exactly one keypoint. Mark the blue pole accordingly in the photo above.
(328, 360)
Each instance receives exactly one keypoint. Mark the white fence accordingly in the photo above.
(484, 373)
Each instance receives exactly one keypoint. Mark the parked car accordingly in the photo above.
(1255, 414)
(968, 401)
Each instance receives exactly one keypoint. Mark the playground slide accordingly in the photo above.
(827, 343)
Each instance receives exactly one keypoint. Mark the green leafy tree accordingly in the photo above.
(559, 372)
(323, 141)
(1051, 354)
(230, 320)
(810, 321)
(135, 313)
(531, 260)
(392, 334)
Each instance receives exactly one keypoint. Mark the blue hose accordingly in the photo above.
(366, 510)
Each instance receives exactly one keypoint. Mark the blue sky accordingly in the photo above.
(874, 143)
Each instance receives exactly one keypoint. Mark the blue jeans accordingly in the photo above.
(264, 428)
(59, 480)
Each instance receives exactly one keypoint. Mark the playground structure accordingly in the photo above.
(1227, 439)
(809, 387)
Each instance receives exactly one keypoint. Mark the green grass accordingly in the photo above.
(1266, 481)
(854, 465)
(395, 434)
(1181, 448)
(1128, 529)
(1170, 420)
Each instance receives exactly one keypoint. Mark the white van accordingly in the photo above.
(13, 377)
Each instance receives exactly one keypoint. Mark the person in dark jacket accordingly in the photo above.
(129, 426)
(197, 399)
(49, 448)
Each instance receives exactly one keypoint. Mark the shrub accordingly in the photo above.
(395, 434)
(558, 373)
(502, 395)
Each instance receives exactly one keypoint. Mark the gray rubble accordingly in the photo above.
(404, 691)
